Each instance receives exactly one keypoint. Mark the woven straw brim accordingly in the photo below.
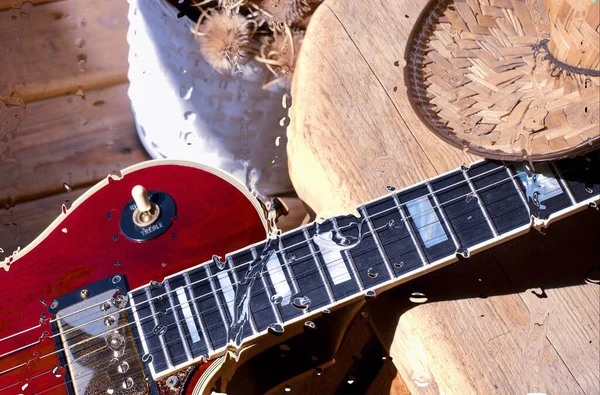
(475, 78)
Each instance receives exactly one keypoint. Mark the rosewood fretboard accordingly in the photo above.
(195, 314)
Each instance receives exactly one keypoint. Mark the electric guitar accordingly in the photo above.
(161, 280)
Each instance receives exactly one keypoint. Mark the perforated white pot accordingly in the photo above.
(186, 110)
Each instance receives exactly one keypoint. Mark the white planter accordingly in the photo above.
(186, 110)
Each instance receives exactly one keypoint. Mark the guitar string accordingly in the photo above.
(384, 225)
(394, 208)
(208, 294)
(310, 255)
(178, 340)
(182, 339)
(292, 246)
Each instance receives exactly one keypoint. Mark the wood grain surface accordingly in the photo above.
(485, 332)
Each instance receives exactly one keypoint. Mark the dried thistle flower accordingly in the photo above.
(225, 40)
(282, 11)
(278, 54)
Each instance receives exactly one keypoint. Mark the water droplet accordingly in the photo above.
(80, 42)
(287, 388)
(43, 302)
(54, 304)
(159, 330)
(370, 293)
(391, 188)
(351, 379)
(64, 230)
(128, 383)
(276, 299)
(593, 275)
(217, 261)
(189, 116)
(276, 329)
(284, 122)
(318, 371)
(398, 265)
(185, 91)
(67, 187)
(115, 237)
(115, 341)
(393, 224)
(301, 303)
(421, 382)
(80, 93)
(470, 196)
(310, 324)
(163, 264)
(58, 371)
(147, 358)
(325, 311)
(286, 100)
(418, 297)
(120, 300)
(290, 257)
(110, 320)
(371, 273)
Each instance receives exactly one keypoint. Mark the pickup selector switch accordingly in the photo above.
(147, 215)
(146, 212)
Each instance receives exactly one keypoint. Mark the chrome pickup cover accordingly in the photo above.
(99, 346)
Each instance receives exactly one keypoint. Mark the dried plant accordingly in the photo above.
(278, 54)
(232, 33)
(225, 40)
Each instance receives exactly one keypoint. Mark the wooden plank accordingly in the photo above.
(62, 47)
(22, 5)
(21, 224)
(381, 53)
(66, 140)
(345, 147)
(357, 132)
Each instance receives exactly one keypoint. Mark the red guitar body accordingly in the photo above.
(215, 215)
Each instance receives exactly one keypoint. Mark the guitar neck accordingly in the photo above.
(323, 265)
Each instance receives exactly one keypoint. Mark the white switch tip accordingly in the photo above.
(140, 196)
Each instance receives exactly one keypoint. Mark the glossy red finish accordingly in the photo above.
(214, 217)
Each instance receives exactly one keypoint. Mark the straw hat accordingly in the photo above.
(508, 79)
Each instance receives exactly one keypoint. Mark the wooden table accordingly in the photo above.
(516, 319)
(66, 122)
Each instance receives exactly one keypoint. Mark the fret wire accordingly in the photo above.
(563, 183)
(186, 346)
(319, 268)
(149, 300)
(236, 281)
(203, 329)
(265, 285)
(138, 324)
(443, 215)
(351, 263)
(288, 267)
(168, 343)
(410, 231)
(157, 322)
(377, 241)
(514, 178)
(480, 203)
(219, 304)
